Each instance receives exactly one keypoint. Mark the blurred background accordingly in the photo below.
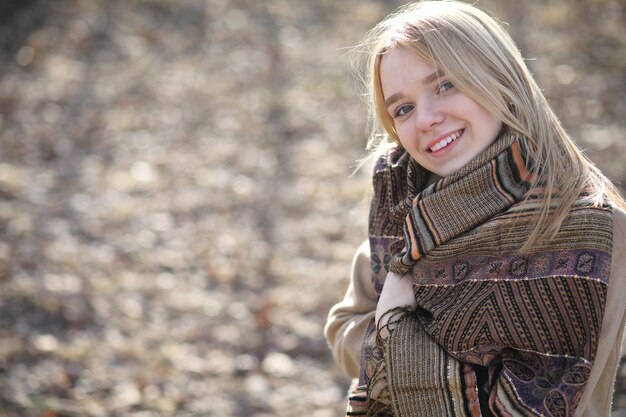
(177, 210)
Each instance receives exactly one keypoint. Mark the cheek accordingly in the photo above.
(405, 135)
(487, 124)
(492, 127)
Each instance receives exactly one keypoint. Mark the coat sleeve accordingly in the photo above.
(348, 319)
(596, 399)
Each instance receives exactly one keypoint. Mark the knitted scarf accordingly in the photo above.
(530, 319)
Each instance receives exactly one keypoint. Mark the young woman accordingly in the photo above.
(492, 280)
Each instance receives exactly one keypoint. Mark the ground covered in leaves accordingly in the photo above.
(177, 210)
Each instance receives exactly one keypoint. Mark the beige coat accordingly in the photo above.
(348, 320)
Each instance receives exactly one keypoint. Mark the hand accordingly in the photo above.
(397, 292)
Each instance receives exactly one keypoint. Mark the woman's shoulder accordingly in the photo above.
(617, 278)
(619, 230)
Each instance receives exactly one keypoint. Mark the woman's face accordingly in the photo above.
(441, 127)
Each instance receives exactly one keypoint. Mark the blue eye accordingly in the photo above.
(402, 110)
(445, 86)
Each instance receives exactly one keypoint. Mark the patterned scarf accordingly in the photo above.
(530, 319)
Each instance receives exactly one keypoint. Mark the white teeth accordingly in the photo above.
(444, 142)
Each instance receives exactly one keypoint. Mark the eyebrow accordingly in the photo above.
(427, 80)
(432, 77)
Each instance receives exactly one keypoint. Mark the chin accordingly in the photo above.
(445, 172)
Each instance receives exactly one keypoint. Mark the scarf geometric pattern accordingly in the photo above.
(531, 318)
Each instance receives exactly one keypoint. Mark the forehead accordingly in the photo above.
(401, 68)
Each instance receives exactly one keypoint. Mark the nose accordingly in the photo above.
(429, 115)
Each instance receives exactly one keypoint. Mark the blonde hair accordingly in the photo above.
(481, 60)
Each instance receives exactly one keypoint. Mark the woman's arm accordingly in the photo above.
(397, 292)
(348, 319)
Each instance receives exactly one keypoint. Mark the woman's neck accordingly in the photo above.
(432, 178)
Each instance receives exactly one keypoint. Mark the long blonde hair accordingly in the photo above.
(482, 61)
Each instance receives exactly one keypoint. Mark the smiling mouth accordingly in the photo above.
(446, 141)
